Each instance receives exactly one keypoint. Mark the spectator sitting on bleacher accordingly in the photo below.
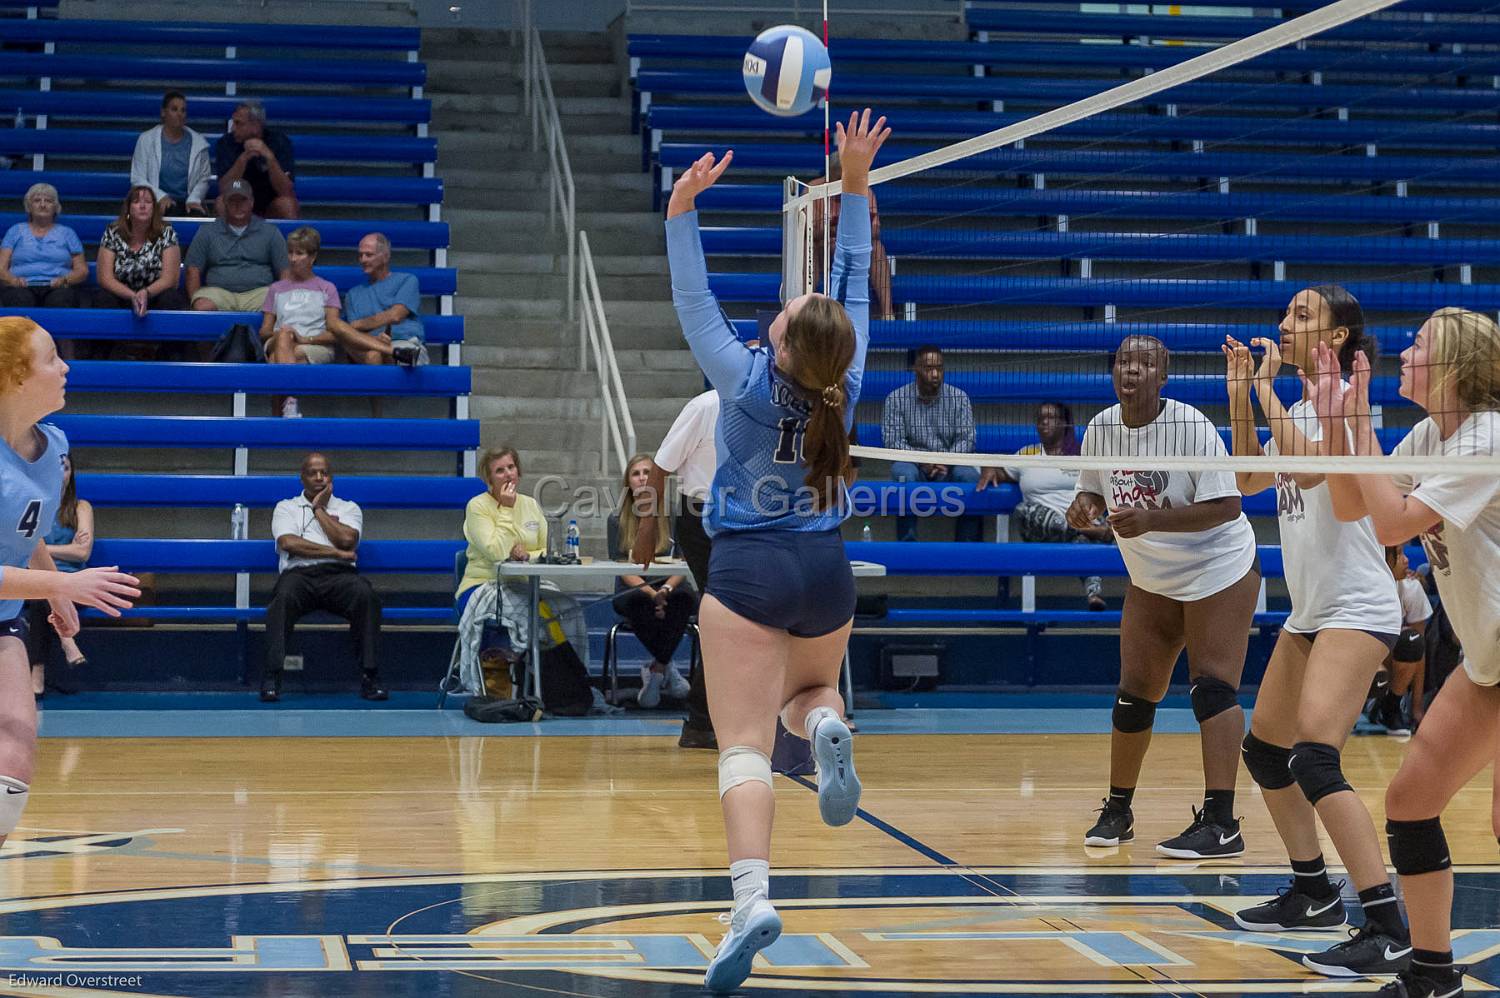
(172, 159)
(929, 415)
(232, 261)
(260, 156)
(317, 536)
(41, 261)
(300, 312)
(140, 259)
(1046, 493)
(382, 317)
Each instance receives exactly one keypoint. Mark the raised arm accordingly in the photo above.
(724, 359)
(849, 280)
(1238, 372)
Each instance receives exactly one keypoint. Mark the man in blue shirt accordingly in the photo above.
(382, 317)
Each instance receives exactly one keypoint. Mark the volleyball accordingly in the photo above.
(787, 70)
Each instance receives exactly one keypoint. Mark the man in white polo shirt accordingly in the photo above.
(317, 537)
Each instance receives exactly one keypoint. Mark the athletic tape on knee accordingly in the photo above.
(1210, 697)
(1318, 770)
(1269, 765)
(1409, 647)
(12, 803)
(742, 764)
(1417, 846)
(1133, 714)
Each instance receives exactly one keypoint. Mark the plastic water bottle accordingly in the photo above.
(239, 523)
(572, 551)
(867, 535)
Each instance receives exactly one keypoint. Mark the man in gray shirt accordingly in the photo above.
(234, 259)
(928, 415)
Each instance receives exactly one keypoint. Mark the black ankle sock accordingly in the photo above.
(1121, 796)
(1218, 806)
(1310, 877)
(1382, 910)
(1431, 962)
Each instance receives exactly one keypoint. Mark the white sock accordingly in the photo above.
(749, 876)
(817, 716)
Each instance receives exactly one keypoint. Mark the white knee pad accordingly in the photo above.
(742, 764)
(12, 803)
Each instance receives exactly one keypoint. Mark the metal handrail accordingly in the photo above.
(546, 124)
(615, 424)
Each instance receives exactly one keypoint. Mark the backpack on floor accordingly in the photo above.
(566, 690)
(493, 710)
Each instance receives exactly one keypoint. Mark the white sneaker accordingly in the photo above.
(651, 681)
(753, 926)
(838, 785)
(289, 408)
(677, 685)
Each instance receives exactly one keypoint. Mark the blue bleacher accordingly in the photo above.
(87, 105)
(158, 35)
(121, 324)
(1151, 292)
(1050, 92)
(269, 433)
(288, 379)
(335, 233)
(431, 280)
(265, 491)
(1007, 438)
(1001, 245)
(310, 148)
(871, 497)
(898, 199)
(1365, 29)
(1074, 337)
(175, 71)
(310, 189)
(844, 51)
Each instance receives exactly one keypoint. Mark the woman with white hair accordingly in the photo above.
(41, 262)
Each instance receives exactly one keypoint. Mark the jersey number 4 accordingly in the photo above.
(789, 444)
(31, 519)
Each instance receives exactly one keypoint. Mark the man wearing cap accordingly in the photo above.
(234, 259)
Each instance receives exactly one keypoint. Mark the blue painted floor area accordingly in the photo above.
(238, 715)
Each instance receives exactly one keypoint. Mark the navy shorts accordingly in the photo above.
(1389, 640)
(16, 627)
(790, 580)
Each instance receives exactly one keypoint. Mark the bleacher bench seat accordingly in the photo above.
(265, 491)
(270, 433)
(311, 189)
(280, 379)
(121, 324)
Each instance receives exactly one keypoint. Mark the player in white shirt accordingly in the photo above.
(1453, 372)
(1345, 619)
(1399, 706)
(1194, 580)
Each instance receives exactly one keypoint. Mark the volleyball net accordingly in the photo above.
(1074, 265)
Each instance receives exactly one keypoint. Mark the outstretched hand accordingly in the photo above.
(1239, 371)
(1327, 389)
(696, 179)
(1270, 365)
(858, 143)
(1357, 397)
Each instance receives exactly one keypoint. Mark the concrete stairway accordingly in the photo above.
(528, 390)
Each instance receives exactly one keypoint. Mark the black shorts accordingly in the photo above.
(16, 627)
(790, 580)
(1311, 637)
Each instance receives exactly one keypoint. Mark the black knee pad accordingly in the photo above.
(1269, 765)
(1318, 770)
(1211, 697)
(1409, 647)
(1133, 714)
(1418, 846)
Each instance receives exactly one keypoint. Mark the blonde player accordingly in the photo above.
(1194, 580)
(1453, 372)
(1345, 619)
(32, 382)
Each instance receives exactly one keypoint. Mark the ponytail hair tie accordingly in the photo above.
(833, 397)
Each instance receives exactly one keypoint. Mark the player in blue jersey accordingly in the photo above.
(32, 380)
(780, 599)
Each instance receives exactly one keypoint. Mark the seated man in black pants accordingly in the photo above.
(317, 535)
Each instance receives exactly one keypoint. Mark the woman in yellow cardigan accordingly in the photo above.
(500, 523)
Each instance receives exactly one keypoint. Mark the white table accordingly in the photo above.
(534, 572)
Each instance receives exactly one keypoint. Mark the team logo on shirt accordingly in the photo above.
(1139, 489)
(1436, 547)
(1289, 498)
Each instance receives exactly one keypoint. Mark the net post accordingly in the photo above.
(796, 242)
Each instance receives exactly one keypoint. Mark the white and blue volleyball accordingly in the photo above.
(787, 70)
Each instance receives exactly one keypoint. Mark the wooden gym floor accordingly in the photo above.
(593, 865)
